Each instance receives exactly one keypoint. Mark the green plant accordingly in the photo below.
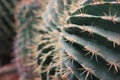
(80, 40)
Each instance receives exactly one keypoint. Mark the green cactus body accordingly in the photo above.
(82, 43)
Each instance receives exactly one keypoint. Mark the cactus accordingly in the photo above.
(25, 21)
(70, 42)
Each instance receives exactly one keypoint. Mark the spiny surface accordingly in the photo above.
(80, 41)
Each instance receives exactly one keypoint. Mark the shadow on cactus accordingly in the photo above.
(79, 40)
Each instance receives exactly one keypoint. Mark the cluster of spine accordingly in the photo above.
(79, 40)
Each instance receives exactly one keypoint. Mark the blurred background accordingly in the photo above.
(12, 59)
